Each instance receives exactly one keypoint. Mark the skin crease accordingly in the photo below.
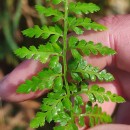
(117, 37)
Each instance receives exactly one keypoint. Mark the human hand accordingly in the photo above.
(117, 37)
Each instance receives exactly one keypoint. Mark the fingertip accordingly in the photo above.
(22, 72)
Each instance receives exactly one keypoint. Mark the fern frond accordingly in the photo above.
(96, 116)
(80, 8)
(57, 106)
(47, 78)
(76, 23)
(38, 121)
(51, 12)
(96, 93)
(50, 108)
(42, 53)
(93, 72)
(89, 47)
(53, 106)
(87, 71)
(54, 32)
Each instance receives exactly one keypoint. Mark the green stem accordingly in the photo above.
(65, 46)
(64, 53)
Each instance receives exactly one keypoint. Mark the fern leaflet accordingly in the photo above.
(47, 78)
(50, 12)
(45, 32)
(80, 8)
(42, 53)
(80, 68)
(89, 47)
(76, 23)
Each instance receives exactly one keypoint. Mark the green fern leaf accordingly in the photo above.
(76, 54)
(81, 121)
(88, 71)
(96, 93)
(57, 106)
(86, 8)
(44, 79)
(73, 88)
(76, 25)
(55, 65)
(115, 97)
(76, 76)
(92, 72)
(54, 106)
(56, 1)
(59, 95)
(58, 84)
(67, 104)
(45, 32)
(50, 108)
(89, 47)
(84, 87)
(31, 32)
(63, 118)
(38, 121)
(96, 115)
(78, 100)
(51, 12)
(77, 30)
(42, 53)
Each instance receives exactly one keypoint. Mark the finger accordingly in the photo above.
(123, 79)
(117, 37)
(123, 114)
(111, 127)
(108, 87)
(104, 37)
(10, 83)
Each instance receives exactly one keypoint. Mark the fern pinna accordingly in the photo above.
(58, 106)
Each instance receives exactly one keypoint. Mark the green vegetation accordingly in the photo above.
(58, 105)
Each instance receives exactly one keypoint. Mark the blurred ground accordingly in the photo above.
(16, 15)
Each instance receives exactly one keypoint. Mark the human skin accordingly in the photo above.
(117, 37)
